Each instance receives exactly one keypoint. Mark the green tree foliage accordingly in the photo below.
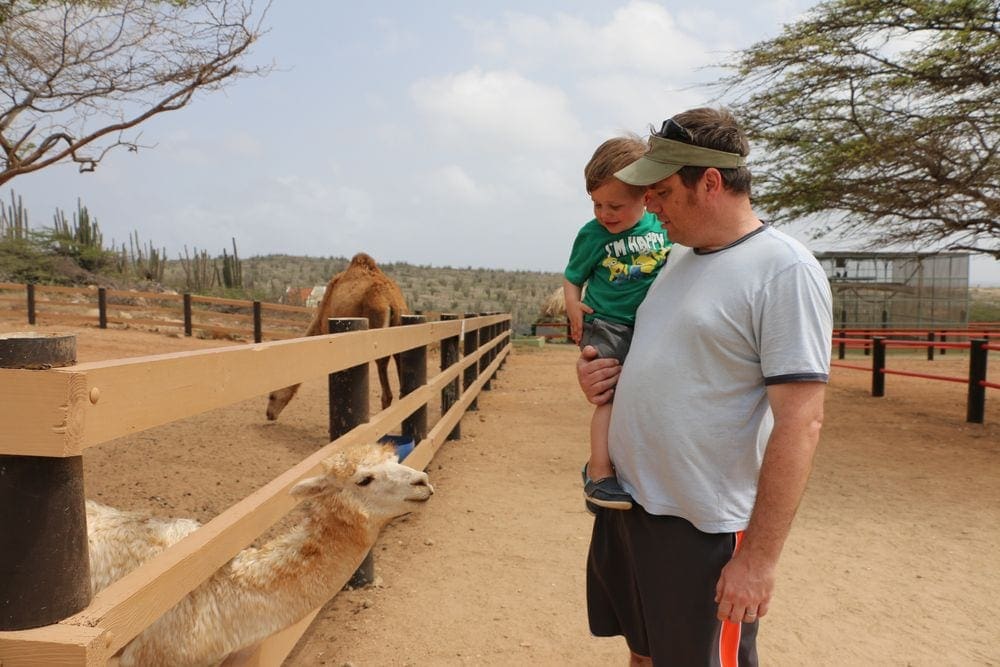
(76, 76)
(882, 118)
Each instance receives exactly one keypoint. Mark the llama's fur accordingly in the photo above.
(261, 590)
(361, 290)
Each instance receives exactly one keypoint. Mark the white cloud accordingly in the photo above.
(453, 182)
(640, 36)
(499, 110)
(634, 101)
(244, 145)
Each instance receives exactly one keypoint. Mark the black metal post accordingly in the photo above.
(472, 370)
(44, 562)
(943, 339)
(187, 314)
(102, 307)
(930, 346)
(976, 403)
(258, 333)
(348, 398)
(842, 346)
(878, 365)
(449, 357)
(31, 302)
(413, 375)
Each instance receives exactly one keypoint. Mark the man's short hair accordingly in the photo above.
(612, 155)
(716, 129)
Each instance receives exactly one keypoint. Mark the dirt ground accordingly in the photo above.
(892, 559)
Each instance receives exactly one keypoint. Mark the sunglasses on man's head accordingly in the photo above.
(671, 129)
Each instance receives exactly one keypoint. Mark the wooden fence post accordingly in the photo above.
(258, 333)
(30, 287)
(878, 365)
(842, 345)
(943, 339)
(449, 357)
(187, 314)
(471, 371)
(102, 307)
(976, 402)
(485, 334)
(504, 327)
(930, 346)
(44, 562)
(413, 375)
(348, 396)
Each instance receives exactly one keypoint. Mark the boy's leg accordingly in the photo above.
(600, 461)
(600, 485)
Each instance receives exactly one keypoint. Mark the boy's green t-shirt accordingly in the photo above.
(617, 268)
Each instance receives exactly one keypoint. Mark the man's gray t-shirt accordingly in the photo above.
(691, 419)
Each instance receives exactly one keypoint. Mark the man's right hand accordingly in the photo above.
(597, 376)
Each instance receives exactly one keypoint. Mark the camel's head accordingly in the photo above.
(371, 477)
(277, 400)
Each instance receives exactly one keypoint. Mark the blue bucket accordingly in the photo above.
(403, 444)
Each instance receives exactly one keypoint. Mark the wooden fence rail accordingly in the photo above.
(60, 412)
(187, 313)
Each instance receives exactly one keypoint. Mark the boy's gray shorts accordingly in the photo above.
(610, 338)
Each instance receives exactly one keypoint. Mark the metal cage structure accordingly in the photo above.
(898, 290)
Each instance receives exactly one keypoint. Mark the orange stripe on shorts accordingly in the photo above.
(729, 637)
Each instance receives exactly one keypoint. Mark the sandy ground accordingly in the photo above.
(892, 559)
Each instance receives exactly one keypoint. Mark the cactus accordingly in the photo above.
(81, 240)
(232, 269)
(14, 220)
(197, 276)
(146, 263)
(84, 232)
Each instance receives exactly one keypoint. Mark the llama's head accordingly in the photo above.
(278, 399)
(371, 478)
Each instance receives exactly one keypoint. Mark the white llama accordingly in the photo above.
(261, 590)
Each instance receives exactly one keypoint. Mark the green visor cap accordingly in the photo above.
(666, 157)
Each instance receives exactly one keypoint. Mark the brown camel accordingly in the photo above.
(362, 290)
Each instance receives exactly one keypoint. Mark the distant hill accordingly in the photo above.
(429, 289)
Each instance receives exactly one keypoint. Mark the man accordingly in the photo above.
(717, 410)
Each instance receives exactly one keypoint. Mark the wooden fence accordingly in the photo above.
(188, 313)
(57, 413)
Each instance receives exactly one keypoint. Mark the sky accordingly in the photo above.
(441, 133)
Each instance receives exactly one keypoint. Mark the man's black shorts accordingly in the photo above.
(652, 580)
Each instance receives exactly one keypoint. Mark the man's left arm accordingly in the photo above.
(747, 581)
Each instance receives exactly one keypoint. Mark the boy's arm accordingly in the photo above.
(575, 308)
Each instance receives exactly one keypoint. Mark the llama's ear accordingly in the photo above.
(314, 486)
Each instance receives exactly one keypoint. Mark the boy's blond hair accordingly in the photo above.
(612, 155)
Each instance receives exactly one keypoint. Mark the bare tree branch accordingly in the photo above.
(76, 75)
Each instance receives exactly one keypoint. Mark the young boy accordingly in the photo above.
(616, 255)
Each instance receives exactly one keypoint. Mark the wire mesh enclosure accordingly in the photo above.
(898, 290)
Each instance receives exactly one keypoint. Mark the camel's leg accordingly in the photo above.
(399, 369)
(383, 378)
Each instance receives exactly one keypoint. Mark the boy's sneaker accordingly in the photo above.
(605, 492)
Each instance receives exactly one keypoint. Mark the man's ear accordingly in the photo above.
(712, 181)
